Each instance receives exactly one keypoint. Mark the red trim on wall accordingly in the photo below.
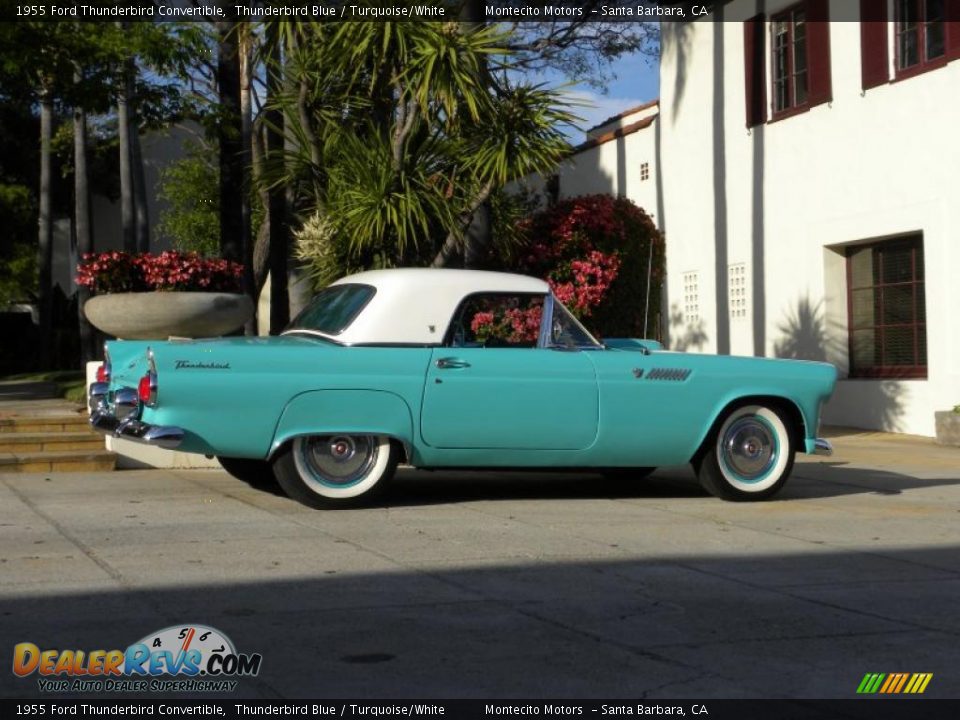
(818, 53)
(614, 134)
(874, 38)
(952, 14)
(754, 70)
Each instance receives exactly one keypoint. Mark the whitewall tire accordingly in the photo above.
(750, 455)
(335, 470)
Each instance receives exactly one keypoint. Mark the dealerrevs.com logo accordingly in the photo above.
(188, 658)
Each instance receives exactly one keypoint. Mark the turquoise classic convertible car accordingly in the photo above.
(458, 369)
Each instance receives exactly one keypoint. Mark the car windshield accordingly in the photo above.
(333, 309)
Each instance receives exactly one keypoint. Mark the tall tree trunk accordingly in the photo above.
(127, 208)
(140, 209)
(277, 205)
(261, 245)
(454, 240)
(246, 141)
(82, 228)
(229, 141)
(45, 231)
(479, 234)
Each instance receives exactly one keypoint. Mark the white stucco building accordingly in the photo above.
(804, 166)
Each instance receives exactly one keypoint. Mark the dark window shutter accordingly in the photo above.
(874, 61)
(818, 52)
(754, 72)
(952, 15)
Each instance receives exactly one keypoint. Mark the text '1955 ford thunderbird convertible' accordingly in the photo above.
(457, 369)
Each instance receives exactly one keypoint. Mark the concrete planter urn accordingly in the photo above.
(948, 427)
(159, 315)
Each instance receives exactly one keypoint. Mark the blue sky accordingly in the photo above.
(636, 81)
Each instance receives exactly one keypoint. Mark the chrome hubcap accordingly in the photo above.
(749, 448)
(339, 460)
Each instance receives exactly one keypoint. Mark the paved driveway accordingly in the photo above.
(504, 585)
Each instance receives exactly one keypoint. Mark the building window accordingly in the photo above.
(797, 44)
(920, 33)
(645, 171)
(789, 44)
(887, 309)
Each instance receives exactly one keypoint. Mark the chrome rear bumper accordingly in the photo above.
(822, 447)
(130, 427)
(163, 436)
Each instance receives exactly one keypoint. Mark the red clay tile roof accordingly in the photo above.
(614, 134)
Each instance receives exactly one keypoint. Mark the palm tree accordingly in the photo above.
(405, 130)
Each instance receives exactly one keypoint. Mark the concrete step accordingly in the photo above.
(28, 390)
(55, 423)
(60, 461)
(17, 442)
(50, 436)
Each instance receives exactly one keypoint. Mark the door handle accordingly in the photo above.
(448, 363)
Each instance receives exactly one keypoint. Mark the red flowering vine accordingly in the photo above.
(114, 271)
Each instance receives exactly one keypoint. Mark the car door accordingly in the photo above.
(493, 387)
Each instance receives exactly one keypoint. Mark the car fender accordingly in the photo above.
(324, 412)
(756, 394)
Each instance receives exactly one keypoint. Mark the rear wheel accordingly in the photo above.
(749, 457)
(254, 472)
(335, 470)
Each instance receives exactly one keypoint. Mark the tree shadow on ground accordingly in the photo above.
(661, 625)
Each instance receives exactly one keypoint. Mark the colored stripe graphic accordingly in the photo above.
(894, 683)
(870, 683)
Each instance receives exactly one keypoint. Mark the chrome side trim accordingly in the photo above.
(151, 379)
(546, 322)
(822, 447)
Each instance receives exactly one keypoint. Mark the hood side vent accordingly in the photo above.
(677, 374)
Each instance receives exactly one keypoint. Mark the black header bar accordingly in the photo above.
(873, 709)
(504, 11)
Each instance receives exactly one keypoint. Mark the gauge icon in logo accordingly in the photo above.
(179, 650)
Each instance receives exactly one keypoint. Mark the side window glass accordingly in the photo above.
(567, 332)
(498, 320)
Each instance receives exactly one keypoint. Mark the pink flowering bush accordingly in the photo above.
(514, 326)
(116, 272)
(595, 251)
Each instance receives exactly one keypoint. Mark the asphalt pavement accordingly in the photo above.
(506, 585)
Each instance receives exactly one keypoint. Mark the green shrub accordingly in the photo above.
(189, 186)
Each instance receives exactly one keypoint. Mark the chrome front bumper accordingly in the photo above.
(822, 447)
(103, 420)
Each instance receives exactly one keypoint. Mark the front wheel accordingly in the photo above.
(325, 471)
(750, 455)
